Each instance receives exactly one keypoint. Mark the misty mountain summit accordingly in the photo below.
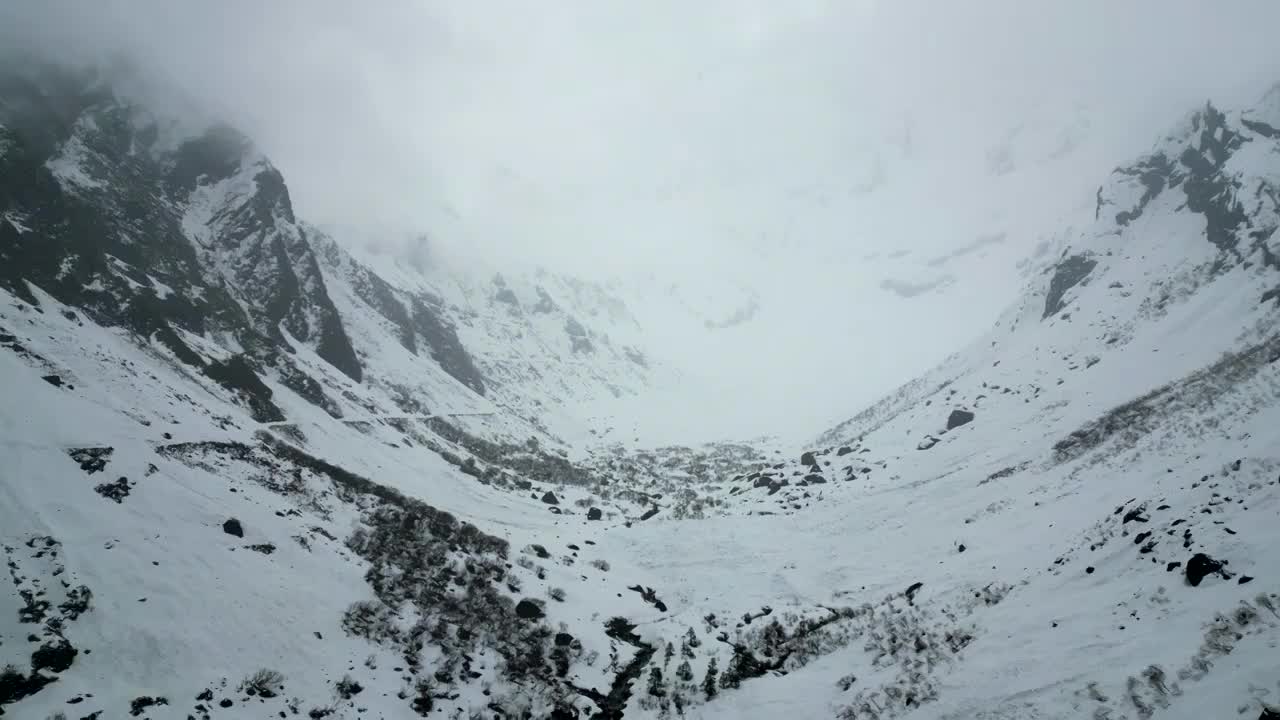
(253, 468)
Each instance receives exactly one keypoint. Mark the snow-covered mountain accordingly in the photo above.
(252, 471)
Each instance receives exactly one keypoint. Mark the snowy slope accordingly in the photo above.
(232, 445)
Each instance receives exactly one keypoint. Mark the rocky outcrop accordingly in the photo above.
(959, 417)
(1069, 272)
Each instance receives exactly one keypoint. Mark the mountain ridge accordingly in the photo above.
(252, 473)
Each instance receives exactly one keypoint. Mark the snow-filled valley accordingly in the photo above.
(252, 471)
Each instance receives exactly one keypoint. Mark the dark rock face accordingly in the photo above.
(237, 374)
(1068, 273)
(446, 348)
(958, 418)
(1201, 566)
(213, 157)
(1155, 173)
(417, 316)
(529, 610)
(505, 295)
(578, 337)
(117, 248)
(232, 527)
(1209, 191)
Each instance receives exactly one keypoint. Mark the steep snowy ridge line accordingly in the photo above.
(212, 509)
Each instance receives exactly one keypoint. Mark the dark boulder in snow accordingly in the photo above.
(529, 610)
(912, 590)
(550, 498)
(595, 514)
(563, 639)
(232, 527)
(808, 459)
(53, 380)
(1200, 566)
(958, 418)
(844, 451)
(927, 443)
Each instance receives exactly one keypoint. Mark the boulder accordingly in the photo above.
(529, 610)
(232, 527)
(1200, 566)
(959, 417)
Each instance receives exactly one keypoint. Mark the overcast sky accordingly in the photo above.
(776, 142)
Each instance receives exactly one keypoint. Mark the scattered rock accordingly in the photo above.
(1137, 514)
(927, 443)
(808, 459)
(563, 639)
(117, 491)
(53, 380)
(844, 451)
(232, 527)
(650, 596)
(140, 704)
(1245, 579)
(595, 514)
(1089, 570)
(93, 459)
(550, 498)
